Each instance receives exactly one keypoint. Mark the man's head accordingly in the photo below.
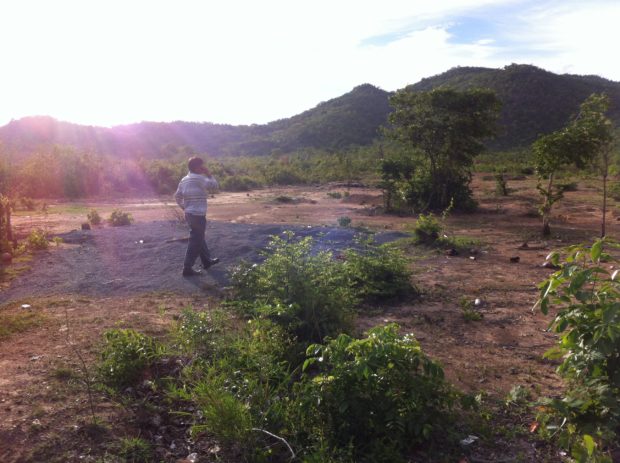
(195, 165)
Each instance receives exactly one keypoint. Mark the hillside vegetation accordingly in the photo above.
(534, 102)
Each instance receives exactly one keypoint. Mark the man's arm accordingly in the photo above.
(178, 197)
(210, 182)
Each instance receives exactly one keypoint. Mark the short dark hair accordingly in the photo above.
(194, 163)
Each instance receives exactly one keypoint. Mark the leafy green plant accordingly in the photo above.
(378, 272)
(238, 183)
(587, 293)
(344, 221)
(125, 356)
(119, 218)
(614, 191)
(284, 199)
(37, 240)
(135, 450)
(309, 293)
(241, 385)
(199, 332)
(501, 186)
(427, 228)
(470, 314)
(19, 322)
(27, 204)
(93, 217)
(379, 394)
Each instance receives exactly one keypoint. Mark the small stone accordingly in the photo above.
(515, 259)
(452, 252)
(7, 258)
(85, 226)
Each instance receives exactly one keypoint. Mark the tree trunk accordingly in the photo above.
(546, 209)
(604, 206)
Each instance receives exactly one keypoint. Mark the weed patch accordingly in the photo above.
(14, 323)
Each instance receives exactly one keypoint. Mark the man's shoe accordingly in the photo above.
(190, 272)
(210, 263)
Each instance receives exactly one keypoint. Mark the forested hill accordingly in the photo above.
(534, 102)
(351, 119)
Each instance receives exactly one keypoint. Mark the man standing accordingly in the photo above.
(191, 195)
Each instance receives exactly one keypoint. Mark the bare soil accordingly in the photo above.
(130, 277)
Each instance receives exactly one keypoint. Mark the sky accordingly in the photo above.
(111, 62)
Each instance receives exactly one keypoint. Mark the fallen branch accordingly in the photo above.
(281, 439)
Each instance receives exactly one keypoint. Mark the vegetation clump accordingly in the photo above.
(37, 240)
(308, 293)
(441, 132)
(125, 356)
(587, 293)
(119, 218)
(379, 395)
(93, 217)
(287, 383)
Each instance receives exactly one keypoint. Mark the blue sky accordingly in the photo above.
(245, 61)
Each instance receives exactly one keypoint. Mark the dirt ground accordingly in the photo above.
(130, 278)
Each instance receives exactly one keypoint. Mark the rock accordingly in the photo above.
(7, 258)
(515, 259)
(452, 252)
(85, 226)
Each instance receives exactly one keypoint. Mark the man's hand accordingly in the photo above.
(205, 171)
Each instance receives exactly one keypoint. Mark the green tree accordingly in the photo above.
(444, 130)
(586, 137)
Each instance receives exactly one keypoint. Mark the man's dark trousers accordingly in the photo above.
(197, 246)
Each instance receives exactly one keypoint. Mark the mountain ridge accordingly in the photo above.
(535, 102)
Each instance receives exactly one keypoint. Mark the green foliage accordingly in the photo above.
(37, 240)
(378, 273)
(587, 136)
(309, 293)
(614, 191)
(119, 218)
(93, 217)
(239, 183)
(501, 186)
(198, 332)
(27, 204)
(135, 450)
(379, 394)
(241, 382)
(443, 130)
(6, 231)
(470, 314)
(344, 221)
(125, 356)
(164, 175)
(587, 294)
(428, 228)
(535, 101)
(334, 194)
(19, 322)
